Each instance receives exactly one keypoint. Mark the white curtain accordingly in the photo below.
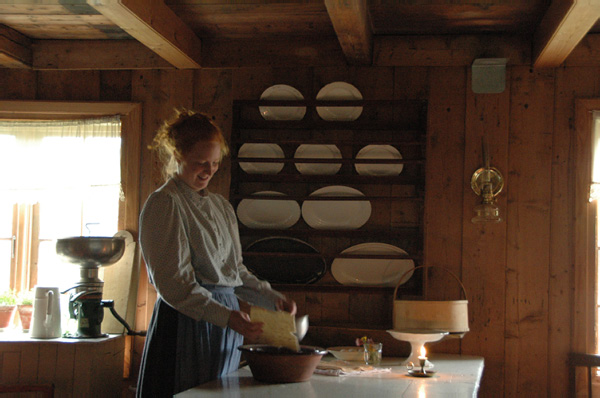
(42, 160)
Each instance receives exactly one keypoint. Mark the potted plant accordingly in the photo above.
(8, 304)
(25, 308)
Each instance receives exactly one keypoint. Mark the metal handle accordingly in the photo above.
(425, 268)
(111, 306)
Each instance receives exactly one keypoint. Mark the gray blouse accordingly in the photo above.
(190, 239)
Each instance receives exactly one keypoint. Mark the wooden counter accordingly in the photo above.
(76, 367)
(457, 376)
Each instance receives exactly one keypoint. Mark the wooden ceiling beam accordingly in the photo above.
(156, 26)
(563, 26)
(95, 55)
(406, 51)
(352, 25)
(15, 49)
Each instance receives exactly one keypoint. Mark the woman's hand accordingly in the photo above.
(244, 306)
(241, 323)
(286, 304)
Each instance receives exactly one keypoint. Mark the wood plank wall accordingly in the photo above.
(64, 364)
(518, 273)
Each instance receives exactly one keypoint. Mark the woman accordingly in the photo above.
(191, 246)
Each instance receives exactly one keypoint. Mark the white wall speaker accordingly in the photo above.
(488, 75)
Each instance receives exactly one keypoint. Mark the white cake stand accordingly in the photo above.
(417, 339)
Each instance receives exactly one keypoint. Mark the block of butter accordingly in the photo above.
(279, 328)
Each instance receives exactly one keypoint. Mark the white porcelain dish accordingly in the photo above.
(348, 353)
(336, 214)
(267, 213)
(372, 271)
(269, 151)
(339, 91)
(379, 169)
(282, 92)
(315, 151)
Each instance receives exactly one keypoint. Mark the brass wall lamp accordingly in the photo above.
(488, 76)
(487, 182)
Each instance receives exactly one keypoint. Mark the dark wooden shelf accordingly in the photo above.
(303, 198)
(327, 161)
(308, 102)
(398, 232)
(338, 142)
(308, 125)
(333, 288)
(340, 255)
(336, 179)
(399, 123)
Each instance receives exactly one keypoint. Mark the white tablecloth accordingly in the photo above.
(456, 376)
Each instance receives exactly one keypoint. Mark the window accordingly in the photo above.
(586, 226)
(64, 191)
(594, 196)
(60, 178)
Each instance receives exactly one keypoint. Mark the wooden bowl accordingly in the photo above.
(271, 364)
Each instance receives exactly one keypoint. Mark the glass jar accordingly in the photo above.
(373, 353)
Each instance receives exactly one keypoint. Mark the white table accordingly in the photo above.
(456, 376)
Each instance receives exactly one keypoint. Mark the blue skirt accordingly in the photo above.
(180, 352)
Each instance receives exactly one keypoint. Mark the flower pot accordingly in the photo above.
(6, 314)
(25, 312)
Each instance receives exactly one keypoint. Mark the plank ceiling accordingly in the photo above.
(67, 34)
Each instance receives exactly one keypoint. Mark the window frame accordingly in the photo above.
(585, 256)
(131, 136)
(131, 141)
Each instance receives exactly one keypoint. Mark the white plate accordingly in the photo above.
(282, 92)
(266, 213)
(270, 151)
(339, 91)
(379, 169)
(314, 151)
(372, 271)
(336, 214)
(348, 353)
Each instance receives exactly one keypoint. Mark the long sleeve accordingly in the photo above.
(254, 289)
(166, 250)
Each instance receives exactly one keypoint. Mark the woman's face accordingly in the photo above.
(199, 164)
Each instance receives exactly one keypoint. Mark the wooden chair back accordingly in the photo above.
(576, 359)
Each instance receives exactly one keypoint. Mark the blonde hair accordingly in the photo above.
(180, 133)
